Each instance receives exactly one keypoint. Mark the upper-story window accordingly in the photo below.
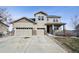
(54, 20)
(47, 19)
(40, 17)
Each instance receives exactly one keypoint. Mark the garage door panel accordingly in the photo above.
(23, 32)
(40, 32)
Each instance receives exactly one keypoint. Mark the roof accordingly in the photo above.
(32, 19)
(25, 19)
(56, 24)
(41, 12)
(4, 24)
(53, 16)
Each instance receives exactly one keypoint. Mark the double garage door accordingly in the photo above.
(26, 32)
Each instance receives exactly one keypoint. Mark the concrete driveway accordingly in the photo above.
(35, 44)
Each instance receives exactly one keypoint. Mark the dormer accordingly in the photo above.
(40, 16)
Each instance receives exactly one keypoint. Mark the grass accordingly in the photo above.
(71, 42)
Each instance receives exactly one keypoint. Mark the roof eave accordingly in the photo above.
(41, 12)
(23, 18)
(4, 24)
(54, 17)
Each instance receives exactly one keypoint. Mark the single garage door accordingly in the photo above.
(40, 31)
(26, 32)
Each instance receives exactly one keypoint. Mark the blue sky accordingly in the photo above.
(66, 12)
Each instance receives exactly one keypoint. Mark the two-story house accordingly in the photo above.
(39, 25)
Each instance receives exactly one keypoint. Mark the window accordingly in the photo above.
(54, 20)
(42, 17)
(55, 28)
(47, 19)
(38, 17)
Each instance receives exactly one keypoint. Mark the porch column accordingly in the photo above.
(64, 29)
(52, 29)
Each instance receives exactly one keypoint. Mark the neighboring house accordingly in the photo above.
(39, 25)
(3, 28)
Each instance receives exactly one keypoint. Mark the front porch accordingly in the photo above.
(53, 27)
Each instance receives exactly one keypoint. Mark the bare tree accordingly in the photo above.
(75, 21)
(4, 15)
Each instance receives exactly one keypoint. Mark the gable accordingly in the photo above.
(40, 13)
(23, 23)
(24, 19)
